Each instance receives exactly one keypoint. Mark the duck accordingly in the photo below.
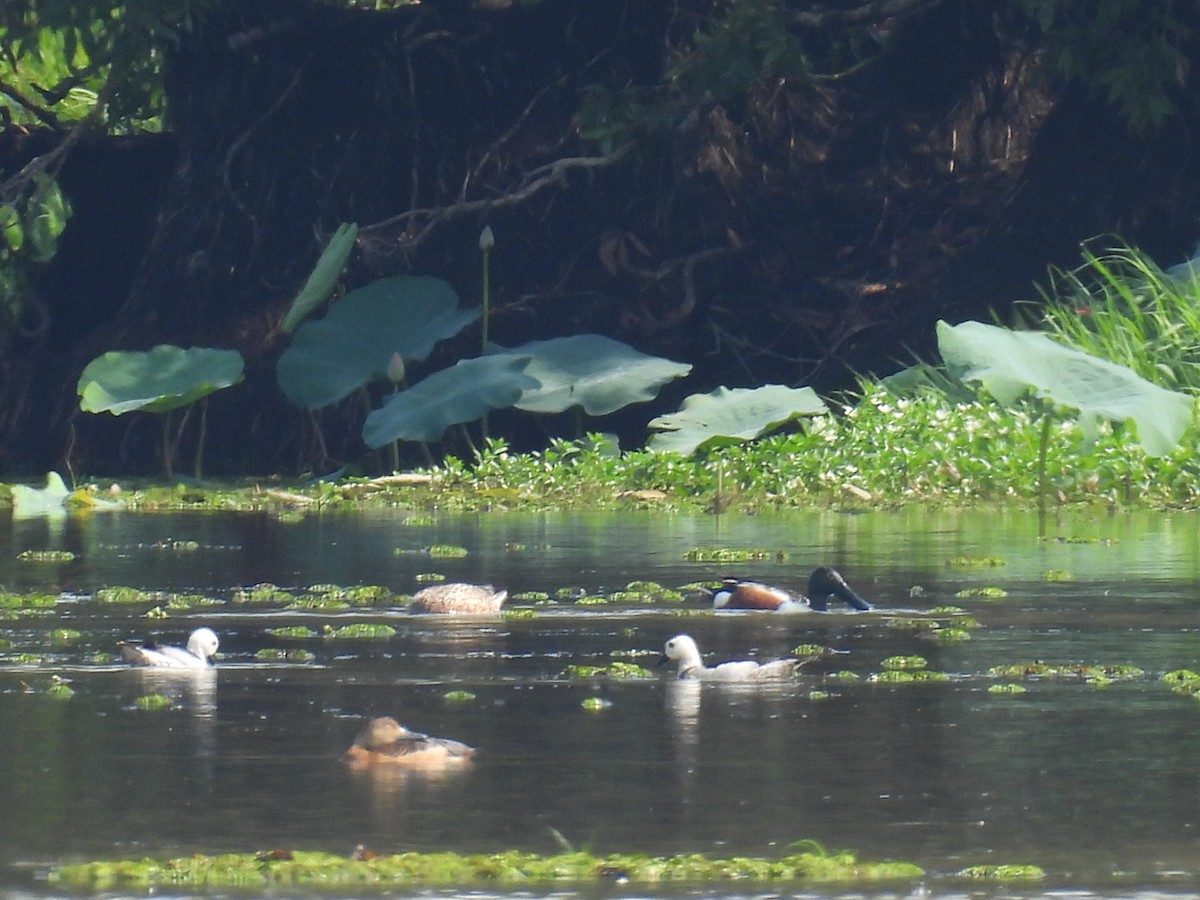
(458, 599)
(384, 741)
(682, 649)
(201, 647)
(824, 582)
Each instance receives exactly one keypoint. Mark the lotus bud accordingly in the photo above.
(395, 369)
(487, 240)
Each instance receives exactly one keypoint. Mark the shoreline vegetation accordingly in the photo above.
(882, 451)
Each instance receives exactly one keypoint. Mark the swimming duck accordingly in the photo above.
(384, 741)
(682, 649)
(822, 583)
(458, 599)
(201, 646)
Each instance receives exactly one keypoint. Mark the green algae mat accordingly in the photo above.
(285, 867)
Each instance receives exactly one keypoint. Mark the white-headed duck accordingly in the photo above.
(201, 647)
(683, 649)
(823, 583)
(385, 742)
(458, 599)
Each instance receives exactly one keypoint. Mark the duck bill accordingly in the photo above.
(846, 593)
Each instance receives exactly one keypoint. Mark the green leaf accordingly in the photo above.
(592, 371)
(353, 344)
(729, 416)
(1009, 363)
(324, 276)
(159, 380)
(462, 393)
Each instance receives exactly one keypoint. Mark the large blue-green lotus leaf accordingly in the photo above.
(324, 276)
(1010, 363)
(354, 342)
(157, 380)
(730, 416)
(462, 393)
(592, 371)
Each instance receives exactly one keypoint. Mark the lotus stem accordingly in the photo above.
(198, 468)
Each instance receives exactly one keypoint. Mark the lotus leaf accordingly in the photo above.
(730, 416)
(462, 393)
(156, 381)
(592, 371)
(1009, 363)
(353, 344)
(324, 276)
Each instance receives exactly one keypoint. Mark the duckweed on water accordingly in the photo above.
(325, 870)
(446, 551)
(127, 595)
(1057, 575)
(293, 655)
(1002, 873)
(612, 670)
(518, 614)
(458, 696)
(732, 554)
(1006, 689)
(152, 702)
(905, 662)
(46, 556)
(987, 593)
(1070, 670)
(292, 632)
(27, 601)
(903, 676)
(360, 631)
(595, 704)
(974, 562)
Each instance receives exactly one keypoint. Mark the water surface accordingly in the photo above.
(1098, 785)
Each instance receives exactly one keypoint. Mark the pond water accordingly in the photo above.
(1099, 785)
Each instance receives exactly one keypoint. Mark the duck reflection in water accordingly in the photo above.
(823, 583)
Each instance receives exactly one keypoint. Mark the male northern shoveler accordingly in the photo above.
(201, 646)
(683, 649)
(384, 741)
(458, 599)
(823, 583)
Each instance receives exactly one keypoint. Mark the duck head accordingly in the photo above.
(825, 582)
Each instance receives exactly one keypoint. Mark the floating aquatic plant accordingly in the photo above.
(1002, 873)
(905, 662)
(458, 696)
(1006, 689)
(360, 631)
(446, 551)
(46, 556)
(731, 554)
(292, 632)
(987, 593)
(617, 670)
(974, 562)
(233, 870)
(153, 702)
(595, 704)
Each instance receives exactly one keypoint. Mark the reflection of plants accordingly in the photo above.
(158, 381)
